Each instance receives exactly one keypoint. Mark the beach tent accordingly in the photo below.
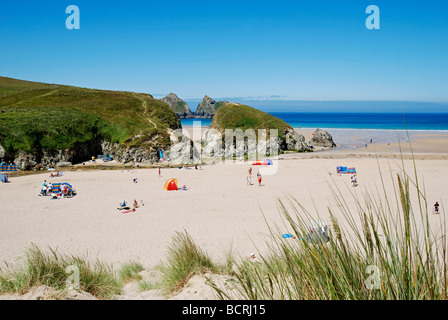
(257, 163)
(3, 178)
(267, 162)
(171, 185)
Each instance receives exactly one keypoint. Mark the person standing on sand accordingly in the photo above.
(259, 179)
(159, 171)
(436, 208)
(250, 171)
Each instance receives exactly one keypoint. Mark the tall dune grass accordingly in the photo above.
(186, 259)
(50, 269)
(384, 249)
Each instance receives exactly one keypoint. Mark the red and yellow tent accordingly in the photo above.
(171, 185)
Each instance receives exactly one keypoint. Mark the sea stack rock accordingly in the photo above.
(294, 140)
(208, 107)
(322, 138)
(179, 106)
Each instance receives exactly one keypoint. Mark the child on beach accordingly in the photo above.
(259, 179)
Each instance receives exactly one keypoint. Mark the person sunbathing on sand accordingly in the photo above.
(135, 205)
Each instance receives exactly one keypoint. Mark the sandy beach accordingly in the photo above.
(219, 210)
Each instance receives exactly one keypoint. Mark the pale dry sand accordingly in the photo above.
(220, 211)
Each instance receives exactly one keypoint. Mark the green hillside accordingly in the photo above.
(36, 116)
(238, 116)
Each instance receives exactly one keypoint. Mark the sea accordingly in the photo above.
(379, 121)
(351, 130)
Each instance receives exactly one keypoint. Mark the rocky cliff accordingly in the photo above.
(323, 139)
(179, 106)
(208, 107)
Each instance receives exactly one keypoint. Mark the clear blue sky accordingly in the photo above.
(287, 50)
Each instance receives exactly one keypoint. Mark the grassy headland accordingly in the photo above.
(36, 116)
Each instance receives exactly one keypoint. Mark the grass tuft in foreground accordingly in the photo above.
(53, 270)
(186, 259)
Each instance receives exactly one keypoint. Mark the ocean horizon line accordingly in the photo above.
(357, 129)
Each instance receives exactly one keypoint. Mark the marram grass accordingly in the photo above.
(53, 270)
(385, 249)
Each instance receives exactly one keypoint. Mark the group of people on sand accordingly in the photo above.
(47, 189)
(249, 178)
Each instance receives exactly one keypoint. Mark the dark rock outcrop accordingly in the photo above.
(293, 141)
(322, 138)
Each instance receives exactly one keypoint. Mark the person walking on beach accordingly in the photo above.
(250, 171)
(436, 208)
(159, 171)
(249, 180)
(354, 182)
